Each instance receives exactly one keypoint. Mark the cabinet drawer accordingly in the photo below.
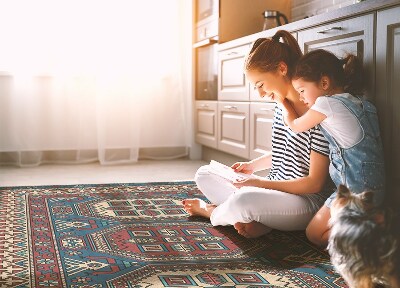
(261, 119)
(355, 36)
(232, 83)
(207, 30)
(340, 37)
(206, 123)
(233, 133)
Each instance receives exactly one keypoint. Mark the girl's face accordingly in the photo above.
(309, 91)
(272, 85)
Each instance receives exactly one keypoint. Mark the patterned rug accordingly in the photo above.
(138, 235)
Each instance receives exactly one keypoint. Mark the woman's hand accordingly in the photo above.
(243, 167)
(254, 182)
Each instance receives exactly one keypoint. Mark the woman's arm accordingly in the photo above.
(303, 123)
(263, 162)
(312, 183)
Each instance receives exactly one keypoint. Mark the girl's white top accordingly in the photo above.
(340, 122)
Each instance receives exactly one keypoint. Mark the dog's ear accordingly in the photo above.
(367, 198)
(343, 192)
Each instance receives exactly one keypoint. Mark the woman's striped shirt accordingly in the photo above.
(291, 153)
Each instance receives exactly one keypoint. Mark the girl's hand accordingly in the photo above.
(243, 167)
(278, 98)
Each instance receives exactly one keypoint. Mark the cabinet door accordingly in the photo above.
(355, 36)
(206, 9)
(232, 83)
(233, 133)
(261, 118)
(387, 96)
(206, 123)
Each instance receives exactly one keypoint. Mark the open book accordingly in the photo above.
(227, 172)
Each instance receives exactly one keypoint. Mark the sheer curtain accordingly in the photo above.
(94, 80)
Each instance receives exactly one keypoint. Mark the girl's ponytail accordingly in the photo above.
(353, 75)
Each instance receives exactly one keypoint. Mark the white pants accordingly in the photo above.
(275, 209)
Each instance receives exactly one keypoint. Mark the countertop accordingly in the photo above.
(335, 15)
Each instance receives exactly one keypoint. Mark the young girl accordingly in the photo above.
(296, 186)
(349, 123)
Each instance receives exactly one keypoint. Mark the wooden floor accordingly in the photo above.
(94, 173)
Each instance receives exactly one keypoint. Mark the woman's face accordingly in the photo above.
(272, 85)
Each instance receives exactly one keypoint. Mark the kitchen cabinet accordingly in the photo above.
(206, 123)
(233, 132)
(388, 94)
(206, 17)
(244, 128)
(232, 83)
(238, 128)
(261, 118)
(351, 36)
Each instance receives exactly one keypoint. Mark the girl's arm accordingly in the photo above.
(312, 183)
(303, 123)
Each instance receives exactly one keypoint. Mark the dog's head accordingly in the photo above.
(347, 200)
(360, 245)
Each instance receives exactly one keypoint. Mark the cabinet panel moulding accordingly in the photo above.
(206, 120)
(233, 128)
(262, 141)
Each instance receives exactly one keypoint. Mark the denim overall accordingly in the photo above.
(360, 167)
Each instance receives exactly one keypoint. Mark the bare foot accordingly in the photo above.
(253, 229)
(198, 207)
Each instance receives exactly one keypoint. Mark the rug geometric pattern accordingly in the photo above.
(138, 235)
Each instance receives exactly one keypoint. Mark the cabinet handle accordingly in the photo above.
(267, 109)
(230, 107)
(329, 29)
(204, 106)
(205, 33)
(233, 53)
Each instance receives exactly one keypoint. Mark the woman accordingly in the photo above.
(297, 184)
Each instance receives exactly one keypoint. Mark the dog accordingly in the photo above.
(363, 241)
